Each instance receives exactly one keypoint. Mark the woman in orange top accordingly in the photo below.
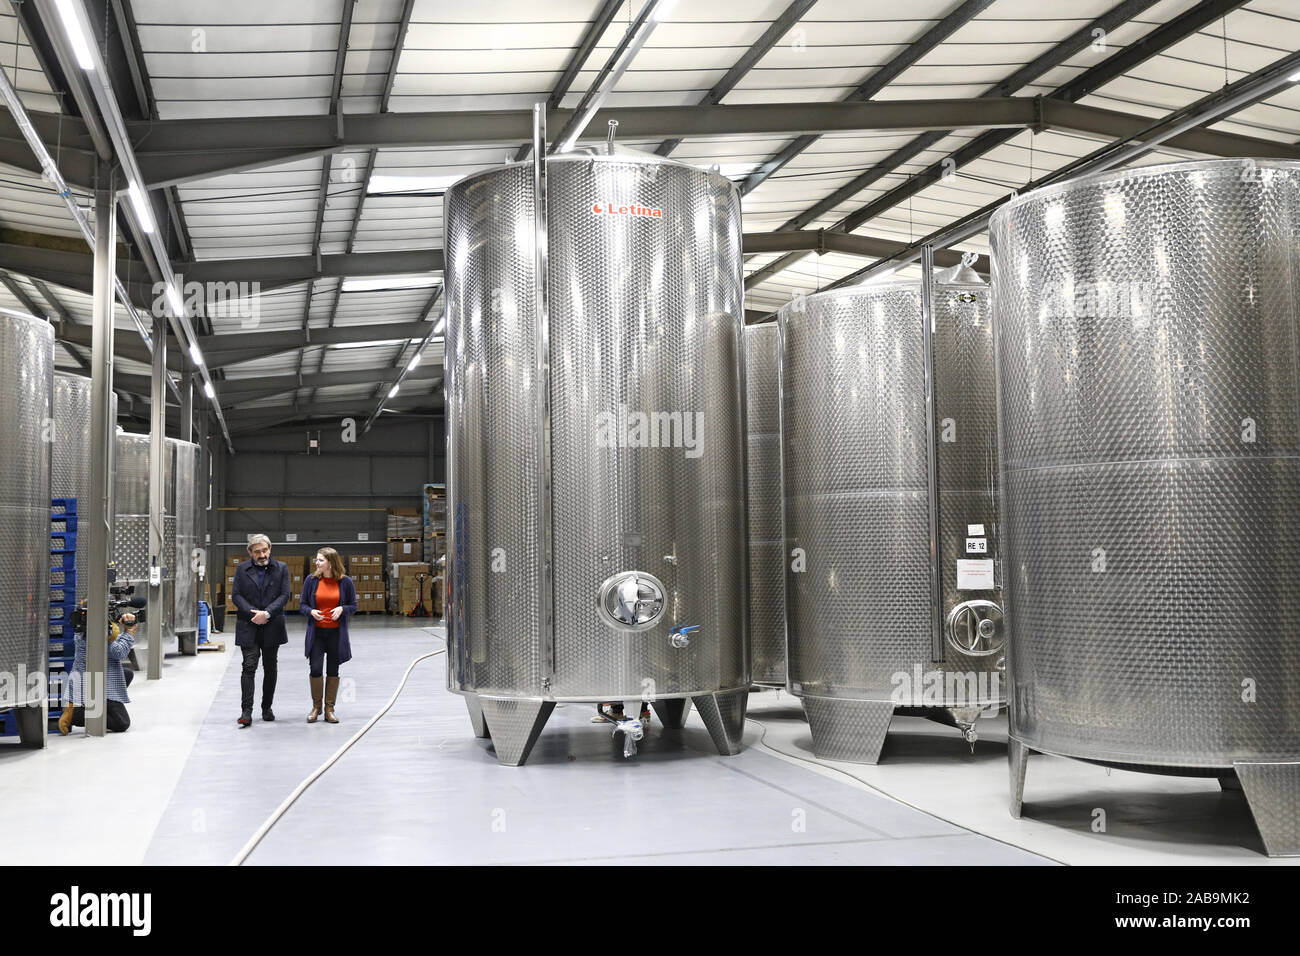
(329, 597)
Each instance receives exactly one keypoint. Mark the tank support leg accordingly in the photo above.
(850, 730)
(475, 708)
(32, 720)
(672, 712)
(724, 715)
(1017, 764)
(514, 724)
(1273, 793)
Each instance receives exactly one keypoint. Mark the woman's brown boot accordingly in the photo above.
(317, 690)
(331, 694)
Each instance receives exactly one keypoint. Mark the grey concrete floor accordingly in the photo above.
(419, 788)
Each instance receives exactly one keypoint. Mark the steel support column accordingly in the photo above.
(157, 494)
(99, 516)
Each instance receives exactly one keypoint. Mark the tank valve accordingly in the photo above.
(680, 636)
(632, 731)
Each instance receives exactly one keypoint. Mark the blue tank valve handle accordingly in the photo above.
(680, 636)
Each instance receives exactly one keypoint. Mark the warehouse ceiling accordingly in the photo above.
(260, 128)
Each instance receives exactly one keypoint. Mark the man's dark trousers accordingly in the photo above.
(269, 653)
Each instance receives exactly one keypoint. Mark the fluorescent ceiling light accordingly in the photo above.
(442, 324)
(175, 301)
(195, 355)
(1293, 78)
(381, 185)
(415, 360)
(142, 210)
(374, 343)
(207, 390)
(382, 283)
(392, 391)
(76, 35)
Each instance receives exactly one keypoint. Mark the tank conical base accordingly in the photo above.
(724, 715)
(1017, 764)
(475, 708)
(1273, 793)
(514, 724)
(31, 720)
(672, 712)
(850, 730)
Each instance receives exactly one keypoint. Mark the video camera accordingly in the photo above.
(122, 600)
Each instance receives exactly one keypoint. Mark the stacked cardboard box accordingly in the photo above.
(232, 561)
(435, 522)
(367, 573)
(409, 584)
(403, 523)
(404, 550)
(296, 564)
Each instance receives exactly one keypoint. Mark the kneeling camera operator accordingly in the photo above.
(124, 614)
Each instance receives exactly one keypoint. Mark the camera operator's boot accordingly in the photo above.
(317, 694)
(331, 694)
(65, 720)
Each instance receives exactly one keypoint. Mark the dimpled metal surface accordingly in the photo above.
(853, 428)
(645, 315)
(966, 407)
(1146, 333)
(70, 466)
(131, 527)
(766, 568)
(26, 384)
(187, 534)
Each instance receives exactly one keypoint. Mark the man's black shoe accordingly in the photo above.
(245, 719)
(266, 714)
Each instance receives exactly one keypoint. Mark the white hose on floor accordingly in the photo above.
(815, 762)
(280, 811)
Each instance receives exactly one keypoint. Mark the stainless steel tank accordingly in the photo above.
(874, 625)
(596, 540)
(131, 528)
(763, 457)
(26, 381)
(1149, 403)
(70, 468)
(186, 613)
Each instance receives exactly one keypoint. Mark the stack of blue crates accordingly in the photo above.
(63, 588)
(63, 600)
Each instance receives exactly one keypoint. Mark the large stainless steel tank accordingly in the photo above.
(875, 626)
(595, 444)
(1149, 396)
(26, 381)
(70, 468)
(186, 613)
(763, 456)
(131, 528)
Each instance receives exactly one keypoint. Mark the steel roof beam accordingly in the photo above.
(775, 31)
(1212, 108)
(1054, 57)
(876, 82)
(1062, 113)
(590, 37)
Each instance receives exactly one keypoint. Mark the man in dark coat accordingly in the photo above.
(260, 592)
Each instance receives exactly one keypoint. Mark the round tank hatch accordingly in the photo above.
(631, 601)
(975, 628)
